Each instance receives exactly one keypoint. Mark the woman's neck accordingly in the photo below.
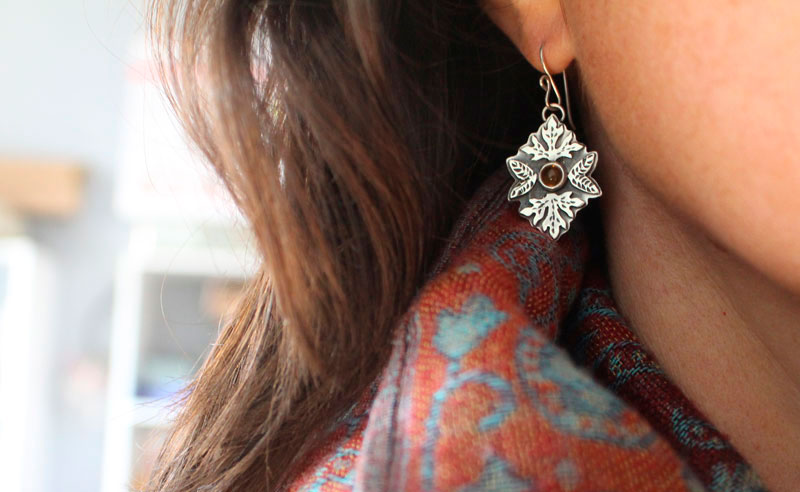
(725, 334)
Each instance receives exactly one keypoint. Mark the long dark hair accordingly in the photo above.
(350, 133)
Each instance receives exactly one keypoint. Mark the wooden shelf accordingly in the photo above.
(41, 187)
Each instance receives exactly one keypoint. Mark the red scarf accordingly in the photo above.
(513, 370)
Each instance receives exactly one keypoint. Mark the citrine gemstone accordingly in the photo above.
(552, 175)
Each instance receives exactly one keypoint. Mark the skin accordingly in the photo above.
(693, 108)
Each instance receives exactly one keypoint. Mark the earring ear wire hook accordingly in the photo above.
(547, 83)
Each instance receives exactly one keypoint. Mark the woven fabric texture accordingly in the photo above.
(513, 370)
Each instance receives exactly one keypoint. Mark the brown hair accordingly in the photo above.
(349, 132)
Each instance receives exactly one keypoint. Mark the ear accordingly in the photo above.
(531, 24)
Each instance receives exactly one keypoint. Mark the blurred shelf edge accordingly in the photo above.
(40, 187)
(200, 252)
(151, 412)
(26, 293)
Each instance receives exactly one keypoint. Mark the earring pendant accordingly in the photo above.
(552, 171)
(552, 177)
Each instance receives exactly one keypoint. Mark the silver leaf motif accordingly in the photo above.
(551, 131)
(550, 148)
(525, 175)
(549, 209)
(548, 212)
(579, 175)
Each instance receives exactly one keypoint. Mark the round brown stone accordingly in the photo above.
(552, 175)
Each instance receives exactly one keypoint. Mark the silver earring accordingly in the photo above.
(552, 171)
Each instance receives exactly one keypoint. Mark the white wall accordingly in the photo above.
(61, 87)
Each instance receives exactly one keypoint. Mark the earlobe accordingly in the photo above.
(530, 24)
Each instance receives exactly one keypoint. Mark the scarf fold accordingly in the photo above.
(513, 370)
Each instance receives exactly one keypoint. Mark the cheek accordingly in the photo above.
(701, 100)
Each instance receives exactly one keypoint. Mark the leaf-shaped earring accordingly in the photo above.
(552, 171)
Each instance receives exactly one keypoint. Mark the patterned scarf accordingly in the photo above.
(513, 370)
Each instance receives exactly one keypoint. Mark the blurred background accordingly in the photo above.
(120, 254)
